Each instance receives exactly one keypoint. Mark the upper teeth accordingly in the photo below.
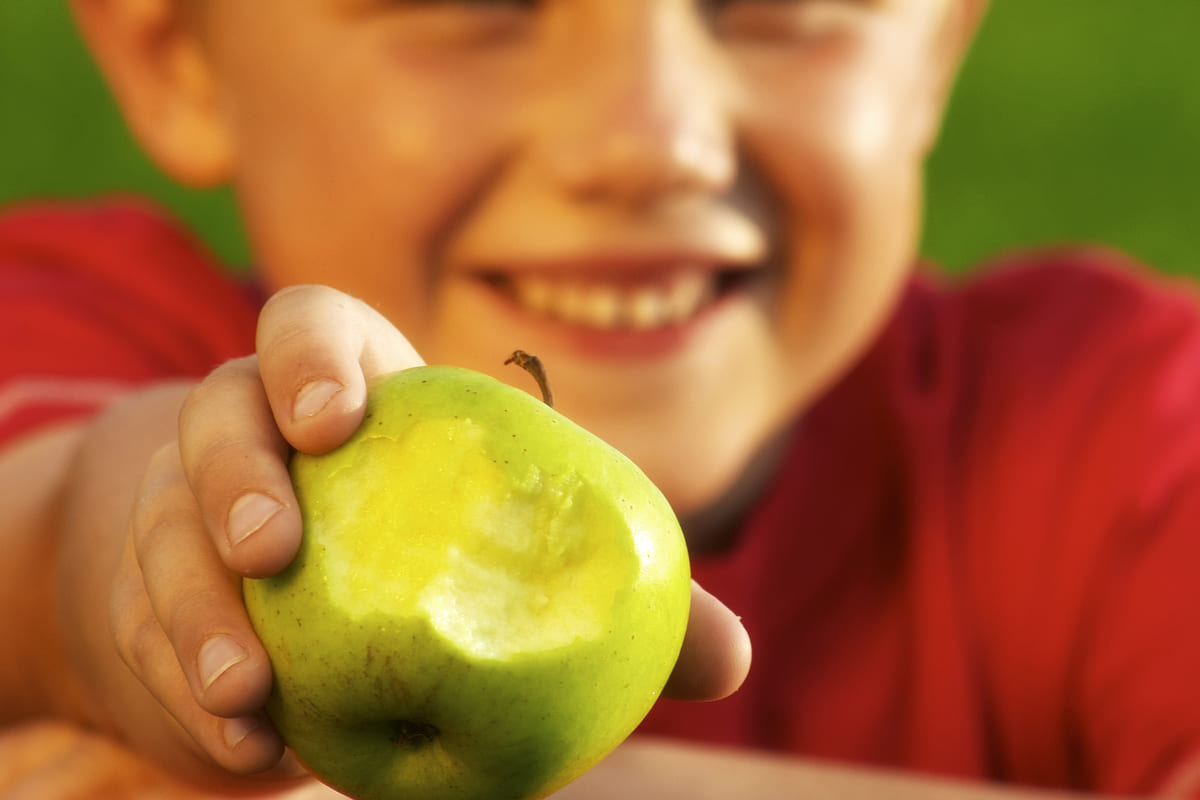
(609, 306)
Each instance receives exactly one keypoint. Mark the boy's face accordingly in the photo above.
(696, 213)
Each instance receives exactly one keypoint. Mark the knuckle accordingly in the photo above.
(291, 346)
(162, 465)
(212, 392)
(290, 299)
(120, 617)
(155, 530)
(137, 641)
(140, 627)
(295, 325)
(189, 607)
(224, 418)
(283, 299)
(160, 483)
(223, 460)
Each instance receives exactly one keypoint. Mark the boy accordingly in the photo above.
(950, 556)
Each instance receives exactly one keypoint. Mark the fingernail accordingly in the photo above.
(249, 513)
(238, 728)
(313, 397)
(217, 655)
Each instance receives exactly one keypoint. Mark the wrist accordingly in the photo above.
(36, 678)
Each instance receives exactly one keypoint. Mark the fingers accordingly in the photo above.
(715, 657)
(177, 620)
(317, 349)
(235, 462)
(219, 505)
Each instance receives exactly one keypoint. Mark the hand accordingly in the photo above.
(217, 505)
(50, 760)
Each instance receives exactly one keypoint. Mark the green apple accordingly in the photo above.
(488, 598)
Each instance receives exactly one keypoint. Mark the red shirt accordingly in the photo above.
(976, 558)
(980, 555)
(96, 300)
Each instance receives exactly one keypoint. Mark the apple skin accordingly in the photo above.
(487, 600)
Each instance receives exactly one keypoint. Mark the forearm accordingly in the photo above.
(34, 678)
(101, 485)
(67, 493)
(645, 767)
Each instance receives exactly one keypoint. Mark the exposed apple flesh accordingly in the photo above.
(488, 599)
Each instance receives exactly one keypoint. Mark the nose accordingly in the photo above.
(635, 110)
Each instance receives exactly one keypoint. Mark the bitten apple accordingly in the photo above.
(488, 598)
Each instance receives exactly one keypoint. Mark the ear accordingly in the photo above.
(948, 49)
(150, 53)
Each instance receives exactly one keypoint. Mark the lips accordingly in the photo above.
(603, 273)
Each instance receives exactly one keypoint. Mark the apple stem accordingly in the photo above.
(533, 365)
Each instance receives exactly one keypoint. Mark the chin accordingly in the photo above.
(696, 466)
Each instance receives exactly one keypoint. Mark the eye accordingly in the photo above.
(419, 3)
(467, 5)
(460, 23)
(785, 21)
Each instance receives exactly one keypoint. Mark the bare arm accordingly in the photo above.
(665, 770)
(127, 538)
(71, 492)
(99, 469)
(60, 763)
(67, 492)
(31, 489)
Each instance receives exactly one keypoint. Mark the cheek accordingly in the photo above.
(361, 196)
(838, 156)
(848, 180)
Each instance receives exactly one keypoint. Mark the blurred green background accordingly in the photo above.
(1073, 120)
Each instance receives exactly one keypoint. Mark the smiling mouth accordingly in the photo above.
(629, 305)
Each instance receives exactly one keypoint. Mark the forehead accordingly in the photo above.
(422, 42)
(448, 24)
(280, 9)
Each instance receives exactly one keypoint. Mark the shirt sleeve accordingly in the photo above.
(1138, 665)
(1083, 506)
(96, 300)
